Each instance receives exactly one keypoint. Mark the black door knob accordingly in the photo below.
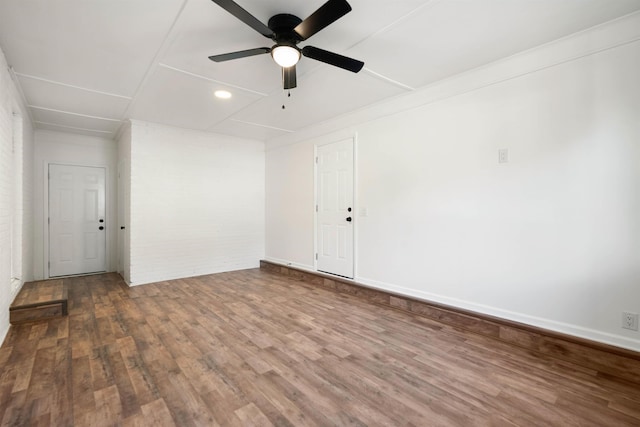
(101, 228)
(102, 220)
(349, 219)
(348, 209)
(122, 228)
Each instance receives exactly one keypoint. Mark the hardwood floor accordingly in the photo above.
(39, 300)
(255, 348)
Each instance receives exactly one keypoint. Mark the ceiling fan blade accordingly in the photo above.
(239, 54)
(237, 11)
(328, 13)
(331, 58)
(289, 77)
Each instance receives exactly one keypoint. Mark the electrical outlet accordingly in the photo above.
(630, 320)
(503, 155)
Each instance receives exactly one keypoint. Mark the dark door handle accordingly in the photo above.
(122, 228)
(102, 220)
(101, 228)
(349, 219)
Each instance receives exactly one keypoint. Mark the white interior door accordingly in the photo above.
(335, 210)
(77, 223)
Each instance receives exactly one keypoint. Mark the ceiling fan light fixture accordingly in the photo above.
(285, 55)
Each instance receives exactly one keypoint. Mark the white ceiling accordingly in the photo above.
(87, 66)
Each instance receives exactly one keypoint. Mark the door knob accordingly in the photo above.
(101, 228)
(349, 219)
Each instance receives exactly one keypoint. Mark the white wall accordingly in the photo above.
(551, 238)
(71, 149)
(16, 170)
(197, 203)
(290, 206)
(124, 204)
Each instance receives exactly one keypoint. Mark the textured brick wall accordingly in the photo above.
(197, 203)
(16, 168)
(27, 200)
(6, 184)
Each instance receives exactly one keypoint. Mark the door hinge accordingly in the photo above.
(316, 159)
(316, 257)
(48, 220)
(316, 208)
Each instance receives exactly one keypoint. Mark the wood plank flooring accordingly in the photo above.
(255, 348)
(39, 300)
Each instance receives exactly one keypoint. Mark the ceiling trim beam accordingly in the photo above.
(36, 107)
(262, 126)
(27, 76)
(72, 127)
(23, 97)
(198, 76)
(387, 79)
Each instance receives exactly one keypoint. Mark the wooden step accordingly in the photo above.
(39, 300)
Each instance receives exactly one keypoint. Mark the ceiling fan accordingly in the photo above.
(287, 31)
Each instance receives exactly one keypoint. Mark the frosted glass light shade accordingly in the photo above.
(285, 56)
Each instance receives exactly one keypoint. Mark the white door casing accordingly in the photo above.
(77, 244)
(335, 208)
(121, 214)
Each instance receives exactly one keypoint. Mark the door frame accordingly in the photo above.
(354, 139)
(45, 216)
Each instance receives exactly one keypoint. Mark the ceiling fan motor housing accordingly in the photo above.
(282, 26)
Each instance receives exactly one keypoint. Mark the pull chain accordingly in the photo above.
(288, 96)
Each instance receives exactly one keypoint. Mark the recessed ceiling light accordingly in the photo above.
(222, 94)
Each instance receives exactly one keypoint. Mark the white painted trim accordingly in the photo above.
(315, 211)
(198, 76)
(387, 79)
(287, 263)
(564, 328)
(23, 98)
(27, 76)
(259, 125)
(356, 210)
(74, 114)
(72, 127)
